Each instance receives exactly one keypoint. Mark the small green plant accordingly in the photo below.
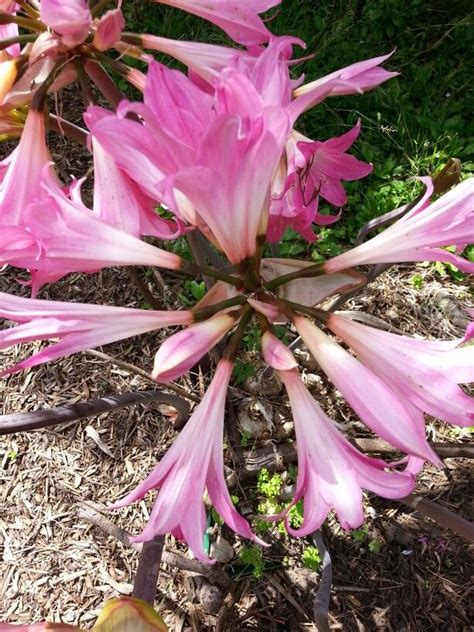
(375, 545)
(269, 484)
(417, 281)
(242, 371)
(245, 438)
(359, 535)
(193, 291)
(311, 558)
(253, 557)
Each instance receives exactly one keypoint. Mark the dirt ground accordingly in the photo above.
(57, 566)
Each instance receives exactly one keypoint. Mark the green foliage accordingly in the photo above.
(269, 484)
(311, 558)
(193, 291)
(242, 371)
(252, 556)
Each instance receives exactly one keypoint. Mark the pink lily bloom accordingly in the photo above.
(118, 200)
(204, 61)
(372, 398)
(72, 19)
(183, 350)
(356, 78)
(108, 29)
(424, 372)
(276, 354)
(71, 238)
(331, 472)
(328, 164)
(8, 31)
(30, 156)
(238, 18)
(194, 463)
(79, 326)
(422, 233)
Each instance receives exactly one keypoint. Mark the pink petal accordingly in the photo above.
(238, 19)
(373, 399)
(108, 30)
(276, 354)
(183, 350)
(71, 19)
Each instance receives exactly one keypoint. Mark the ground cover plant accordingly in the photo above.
(222, 174)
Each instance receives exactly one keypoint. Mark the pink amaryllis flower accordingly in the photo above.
(9, 31)
(30, 157)
(108, 29)
(328, 164)
(118, 200)
(79, 326)
(183, 350)
(331, 472)
(373, 399)
(422, 234)
(238, 18)
(427, 373)
(356, 78)
(72, 19)
(193, 464)
(71, 238)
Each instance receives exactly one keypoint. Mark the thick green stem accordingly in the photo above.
(204, 313)
(289, 307)
(233, 346)
(104, 83)
(99, 7)
(20, 39)
(193, 268)
(304, 273)
(26, 23)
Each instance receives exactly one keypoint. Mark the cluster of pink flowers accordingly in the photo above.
(218, 148)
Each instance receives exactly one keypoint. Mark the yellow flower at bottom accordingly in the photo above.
(126, 614)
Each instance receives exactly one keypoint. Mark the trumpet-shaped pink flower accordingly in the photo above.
(328, 164)
(71, 238)
(238, 18)
(331, 472)
(30, 157)
(118, 200)
(108, 29)
(372, 398)
(422, 234)
(193, 463)
(183, 350)
(79, 326)
(72, 19)
(356, 78)
(424, 372)
(8, 31)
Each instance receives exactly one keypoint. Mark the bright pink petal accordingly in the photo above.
(30, 157)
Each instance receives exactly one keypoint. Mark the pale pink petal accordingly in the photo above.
(421, 235)
(372, 398)
(419, 370)
(238, 18)
(108, 29)
(78, 326)
(180, 352)
(71, 19)
(331, 472)
(276, 354)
